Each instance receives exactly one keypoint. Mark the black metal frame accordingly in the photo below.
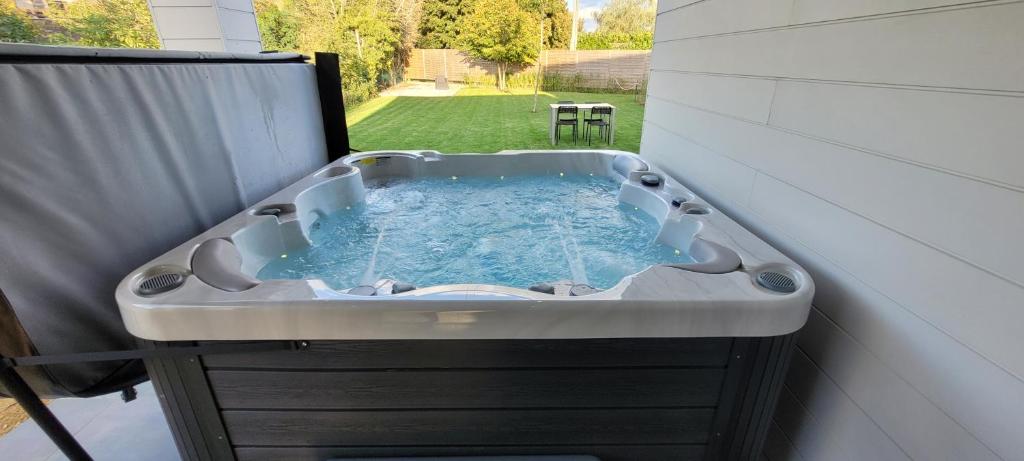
(37, 410)
(603, 126)
(558, 122)
(332, 105)
(55, 430)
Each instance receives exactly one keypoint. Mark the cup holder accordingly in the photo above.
(695, 209)
(335, 171)
(277, 209)
(680, 200)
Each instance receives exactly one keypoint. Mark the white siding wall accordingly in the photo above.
(880, 143)
(206, 25)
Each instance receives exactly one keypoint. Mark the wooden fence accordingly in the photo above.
(596, 68)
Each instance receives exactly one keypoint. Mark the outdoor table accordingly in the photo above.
(553, 109)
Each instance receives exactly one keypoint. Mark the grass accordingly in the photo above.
(480, 120)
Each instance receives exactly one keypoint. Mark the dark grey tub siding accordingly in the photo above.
(618, 399)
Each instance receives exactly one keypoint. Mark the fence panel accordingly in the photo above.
(596, 68)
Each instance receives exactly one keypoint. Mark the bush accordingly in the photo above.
(107, 23)
(606, 41)
(16, 26)
(576, 83)
(480, 80)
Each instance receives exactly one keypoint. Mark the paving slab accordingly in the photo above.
(107, 428)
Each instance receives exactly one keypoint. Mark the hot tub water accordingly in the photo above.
(511, 230)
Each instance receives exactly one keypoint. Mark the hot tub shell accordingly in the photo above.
(672, 363)
(222, 300)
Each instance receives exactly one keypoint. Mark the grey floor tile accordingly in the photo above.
(106, 427)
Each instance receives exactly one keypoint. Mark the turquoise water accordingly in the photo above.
(514, 231)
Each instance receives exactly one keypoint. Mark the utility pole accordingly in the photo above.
(540, 52)
(575, 25)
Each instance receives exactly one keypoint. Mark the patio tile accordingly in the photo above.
(107, 428)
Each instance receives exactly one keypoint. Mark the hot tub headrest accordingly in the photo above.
(624, 164)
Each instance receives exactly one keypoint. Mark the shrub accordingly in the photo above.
(608, 41)
(15, 25)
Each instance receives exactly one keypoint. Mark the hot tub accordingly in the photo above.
(523, 302)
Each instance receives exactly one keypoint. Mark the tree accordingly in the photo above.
(108, 23)
(501, 32)
(279, 28)
(574, 34)
(626, 17)
(366, 34)
(555, 20)
(552, 20)
(441, 22)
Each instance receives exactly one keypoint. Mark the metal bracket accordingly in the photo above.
(172, 352)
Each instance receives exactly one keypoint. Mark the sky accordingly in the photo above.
(587, 9)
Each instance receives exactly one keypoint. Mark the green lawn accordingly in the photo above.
(479, 120)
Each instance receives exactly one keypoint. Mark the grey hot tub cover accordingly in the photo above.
(109, 158)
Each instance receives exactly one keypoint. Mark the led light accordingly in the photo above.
(561, 174)
(677, 251)
(454, 178)
(284, 256)
(501, 178)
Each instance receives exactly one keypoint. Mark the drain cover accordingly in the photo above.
(580, 289)
(161, 283)
(776, 281)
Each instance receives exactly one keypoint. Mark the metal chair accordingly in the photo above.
(600, 117)
(588, 113)
(567, 116)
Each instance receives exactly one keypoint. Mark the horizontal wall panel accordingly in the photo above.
(746, 98)
(980, 310)
(923, 430)
(972, 390)
(777, 446)
(908, 50)
(186, 23)
(666, 5)
(723, 16)
(243, 46)
(681, 158)
(467, 389)
(238, 5)
(852, 430)
(805, 11)
(960, 132)
(648, 352)
(603, 452)
(974, 220)
(238, 25)
(194, 44)
(468, 427)
(808, 435)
